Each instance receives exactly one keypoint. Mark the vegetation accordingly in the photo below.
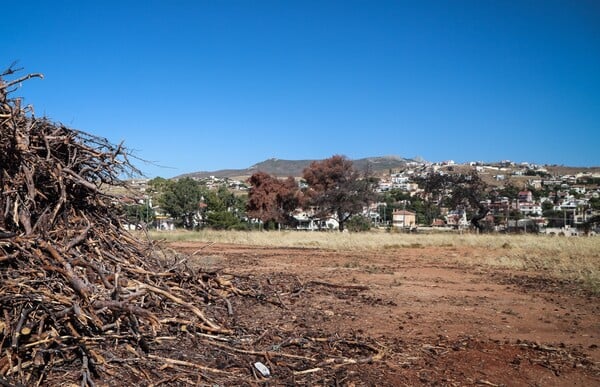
(335, 187)
(272, 200)
(182, 200)
(358, 223)
(426, 210)
(194, 206)
(570, 258)
(139, 213)
(459, 191)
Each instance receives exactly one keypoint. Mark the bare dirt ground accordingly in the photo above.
(434, 321)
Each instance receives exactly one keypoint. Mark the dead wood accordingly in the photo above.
(67, 267)
(339, 286)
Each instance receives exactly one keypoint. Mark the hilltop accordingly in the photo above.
(283, 168)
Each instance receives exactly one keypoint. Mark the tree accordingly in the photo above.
(223, 220)
(157, 186)
(182, 200)
(466, 191)
(592, 222)
(358, 223)
(193, 205)
(222, 209)
(335, 187)
(271, 199)
(547, 206)
(510, 191)
(426, 211)
(575, 193)
(558, 218)
(139, 213)
(469, 191)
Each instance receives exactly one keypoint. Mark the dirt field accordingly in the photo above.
(410, 317)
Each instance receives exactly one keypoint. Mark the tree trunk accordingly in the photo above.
(341, 222)
(483, 211)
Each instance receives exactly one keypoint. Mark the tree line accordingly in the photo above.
(332, 187)
(190, 204)
(328, 187)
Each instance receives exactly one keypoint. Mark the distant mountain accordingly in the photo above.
(284, 168)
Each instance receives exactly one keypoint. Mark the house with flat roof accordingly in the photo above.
(404, 219)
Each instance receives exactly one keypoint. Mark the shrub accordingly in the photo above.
(358, 223)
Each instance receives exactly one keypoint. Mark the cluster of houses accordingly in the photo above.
(215, 182)
(569, 197)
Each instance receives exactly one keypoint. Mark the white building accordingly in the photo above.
(404, 219)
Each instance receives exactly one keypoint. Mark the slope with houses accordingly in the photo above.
(571, 196)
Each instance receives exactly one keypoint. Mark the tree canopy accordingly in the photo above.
(182, 199)
(465, 191)
(193, 205)
(271, 199)
(336, 187)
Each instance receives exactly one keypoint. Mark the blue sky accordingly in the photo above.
(205, 85)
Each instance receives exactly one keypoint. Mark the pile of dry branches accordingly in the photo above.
(73, 285)
(83, 301)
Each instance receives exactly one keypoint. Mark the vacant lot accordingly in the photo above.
(416, 310)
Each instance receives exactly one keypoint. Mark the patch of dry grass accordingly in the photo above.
(572, 258)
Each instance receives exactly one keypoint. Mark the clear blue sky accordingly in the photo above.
(204, 85)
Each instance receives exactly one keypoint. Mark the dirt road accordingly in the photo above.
(436, 322)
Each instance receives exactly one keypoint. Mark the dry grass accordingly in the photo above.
(572, 258)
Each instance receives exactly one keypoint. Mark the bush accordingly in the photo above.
(222, 220)
(358, 223)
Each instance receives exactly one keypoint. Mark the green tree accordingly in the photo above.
(223, 209)
(358, 223)
(557, 218)
(470, 193)
(510, 191)
(547, 206)
(465, 191)
(539, 193)
(156, 187)
(396, 195)
(138, 213)
(435, 185)
(223, 220)
(158, 184)
(182, 200)
(425, 210)
(335, 187)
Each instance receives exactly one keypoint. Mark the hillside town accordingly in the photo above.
(519, 197)
(536, 199)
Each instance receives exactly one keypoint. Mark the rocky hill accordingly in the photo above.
(283, 168)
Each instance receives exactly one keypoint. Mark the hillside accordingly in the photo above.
(283, 168)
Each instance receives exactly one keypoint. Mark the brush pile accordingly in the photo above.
(76, 291)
